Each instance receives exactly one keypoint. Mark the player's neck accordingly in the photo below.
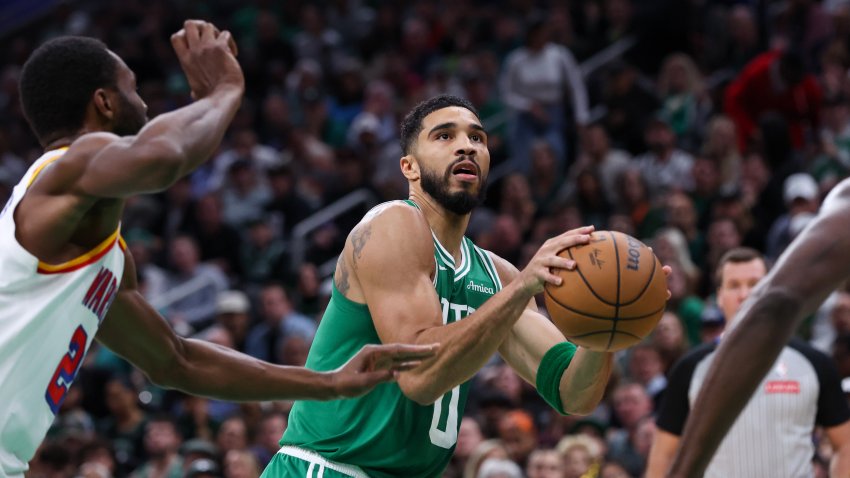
(447, 226)
(64, 141)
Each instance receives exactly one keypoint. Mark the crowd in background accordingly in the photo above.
(716, 123)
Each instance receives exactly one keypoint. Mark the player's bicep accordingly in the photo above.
(394, 265)
(125, 166)
(135, 331)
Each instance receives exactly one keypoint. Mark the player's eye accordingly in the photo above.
(477, 138)
(443, 136)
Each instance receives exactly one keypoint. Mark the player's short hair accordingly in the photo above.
(737, 255)
(411, 125)
(58, 80)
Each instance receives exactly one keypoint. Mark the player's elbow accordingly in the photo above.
(419, 390)
(580, 408)
(161, 162)
(170, 371)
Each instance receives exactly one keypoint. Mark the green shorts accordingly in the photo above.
(294, 462)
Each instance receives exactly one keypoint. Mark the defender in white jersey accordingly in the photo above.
(773, 436)
(64, 272)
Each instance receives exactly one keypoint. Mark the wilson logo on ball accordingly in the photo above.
(634, 254)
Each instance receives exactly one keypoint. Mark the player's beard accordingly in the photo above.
(461, 202)
(129, 119)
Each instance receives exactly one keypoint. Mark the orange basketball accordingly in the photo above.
(613, 298)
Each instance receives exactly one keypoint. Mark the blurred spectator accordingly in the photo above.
(286, 207)
(834, 161)
(646, 367)
(499, 468)
(219, 242)
(721, 144)
(125, 425)
(197, 284)
(244, 195)
(97, 460)
(233, 314)
(232, 435)
(774, 81)
(738, 42)
(664, 166)
(684, 104)
(262, 254)
(597, 154)
(580, 455)
(669, 340)
(630, 105)
(802, 198)
(241, 464)
(634, 199)
(706, 172)
(631, 405)
(197, 449)
(279, 321)
(162, 441)
(537, 79)
(544, 463)
(682, 215)
(153, 280)
(268, 435)
(518, 435)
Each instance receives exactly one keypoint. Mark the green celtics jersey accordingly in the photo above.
(383, 432)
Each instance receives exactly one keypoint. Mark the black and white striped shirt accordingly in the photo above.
(773, 435)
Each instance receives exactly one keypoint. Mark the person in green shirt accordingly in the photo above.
(408, 274)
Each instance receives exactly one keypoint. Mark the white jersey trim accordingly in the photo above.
(316, 459)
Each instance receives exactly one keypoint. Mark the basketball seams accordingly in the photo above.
(617, 305)
(600, 317)
(646, 286)
(589, 287)
(588, 334)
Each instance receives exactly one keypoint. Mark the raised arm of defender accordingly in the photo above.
(814, 265)
(388, 262)
(175, 143)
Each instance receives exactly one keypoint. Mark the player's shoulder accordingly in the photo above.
(72, 164)
(393, 215)
(396, 227)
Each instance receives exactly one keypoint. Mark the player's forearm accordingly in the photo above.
(466, 345)
(741, 361)
(583, 382)
(185, 138)
(213, 371)
(839, 466)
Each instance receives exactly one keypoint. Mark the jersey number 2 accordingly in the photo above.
(448, 437)
(66, 371)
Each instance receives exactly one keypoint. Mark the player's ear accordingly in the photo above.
(103, 104)
(410, 167)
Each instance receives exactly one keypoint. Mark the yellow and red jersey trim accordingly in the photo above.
(88, 258)
(44, 165)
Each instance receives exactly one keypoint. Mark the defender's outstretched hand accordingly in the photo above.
(376, 364)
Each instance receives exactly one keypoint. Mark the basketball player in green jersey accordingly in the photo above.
(408, 274)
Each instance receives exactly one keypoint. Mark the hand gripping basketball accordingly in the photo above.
(615, 295)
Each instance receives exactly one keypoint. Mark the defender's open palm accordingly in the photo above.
(208, 57)
(538, 272)
(376, 364)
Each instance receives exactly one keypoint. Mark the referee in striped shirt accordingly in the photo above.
(773, 435)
